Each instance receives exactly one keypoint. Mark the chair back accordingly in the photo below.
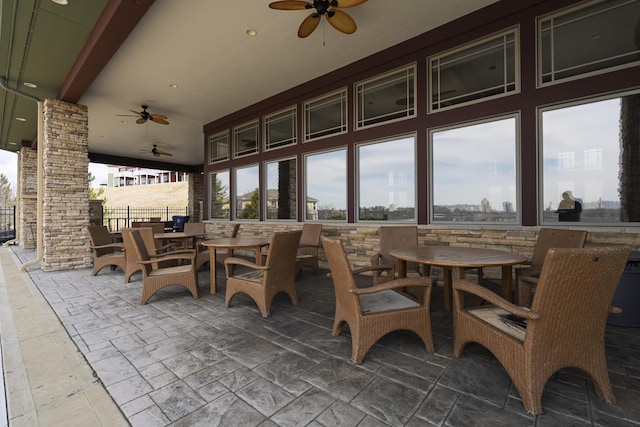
(141, 250)
(236, 230)
(281, 258)
(573, 297)
(399, 237)
(556, 238)
(194, 227)
(99, 235)
(342, 276)
(310, 239)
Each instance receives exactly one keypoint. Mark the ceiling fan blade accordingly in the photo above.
(290, 5)
(308, 25)
(137, 113)
(159, 120)
(343, 4)
(163, 153)
(141, 121)
(341, 21)
(158, 116)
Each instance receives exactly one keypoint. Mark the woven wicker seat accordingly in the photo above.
(372, 312)
(565, 325)
(106, 253)
(527, 277)
(308, 249)
(156, 277)
(263, 282)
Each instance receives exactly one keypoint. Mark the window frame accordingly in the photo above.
(237, 130)
(290, 114)
(212, 140)
(343, 99)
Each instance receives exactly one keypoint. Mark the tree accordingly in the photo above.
(7, 193)
(252, 209)
(220, 202)
(93, 193)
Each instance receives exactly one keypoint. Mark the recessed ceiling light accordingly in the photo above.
(124, 122)
(31, 85)
(173, 86)
(21, 119)
(62, 2)
(12, 143)
(251, 32)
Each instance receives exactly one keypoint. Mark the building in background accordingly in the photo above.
(122, 176)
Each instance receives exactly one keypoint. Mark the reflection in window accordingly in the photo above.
(605, 31)
(474, 173)
(604, 138)
(386, 180)
(386, 98)
(219, 195)
(219, 147)
(245, 139)
(280, 129)
(326, 185)
(281, 189)
(483, 70)
(325, 116)
(247, 193)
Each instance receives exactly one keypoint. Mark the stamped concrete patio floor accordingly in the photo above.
(184, 362)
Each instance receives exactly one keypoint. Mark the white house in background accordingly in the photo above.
(122, 176)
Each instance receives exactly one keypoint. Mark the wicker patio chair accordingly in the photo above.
(527, 277)
(398, 237)
(564, 328)
(132, 265)
(263, 282)
(307, 255)
(372, 312)
(106, 253)
(204, 254)
(155, 276)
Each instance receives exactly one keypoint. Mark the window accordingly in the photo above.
(386, 98)
(325, 116)
(219, 147)
(245, 139)
(326, 185)
(247, 193)
(593, 38)
(386, 180)
(281, 198)
(219, 195)
(280, 129)
(474, 176)
(589, 162)
(488, 68)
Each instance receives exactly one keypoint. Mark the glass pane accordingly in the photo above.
(280, 129)
(326, 116)
(282, 190)
(247, 193)
(326, 186)
(590, 162)
(245, 139)
(474, 173)
(219, 195)
(386, 181)
(605, 31)
(387, 98)
(219, 147)
(480, 71)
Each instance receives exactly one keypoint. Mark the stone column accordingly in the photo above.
(196, 196)
(28, 191)
(66, 187)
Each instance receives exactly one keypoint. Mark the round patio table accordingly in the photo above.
(232, 243)
(454, 260)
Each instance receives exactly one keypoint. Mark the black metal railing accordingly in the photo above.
(7, 223)
(116, 218)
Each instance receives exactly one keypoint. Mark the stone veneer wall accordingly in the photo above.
(196, 196)
(66, 183)
(361, 241)
(28, 191)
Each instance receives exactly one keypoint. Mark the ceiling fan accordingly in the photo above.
(158, 152)
(330, 9)
(144, 115)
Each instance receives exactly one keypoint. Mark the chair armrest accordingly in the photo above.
(528, 279)
(191, 257)
(377, 269)
(231, 261)
(119, 245)
(462, 285)
(393, 284)
(163, 255)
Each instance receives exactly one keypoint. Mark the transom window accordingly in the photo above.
(386, 98)
(219, 147)
(245, 139)
(280, 129)
(488, 68)
(325, 116)
(593, 38)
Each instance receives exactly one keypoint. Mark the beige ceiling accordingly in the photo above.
(202, 46)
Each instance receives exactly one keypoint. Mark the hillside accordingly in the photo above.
(173, 195)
